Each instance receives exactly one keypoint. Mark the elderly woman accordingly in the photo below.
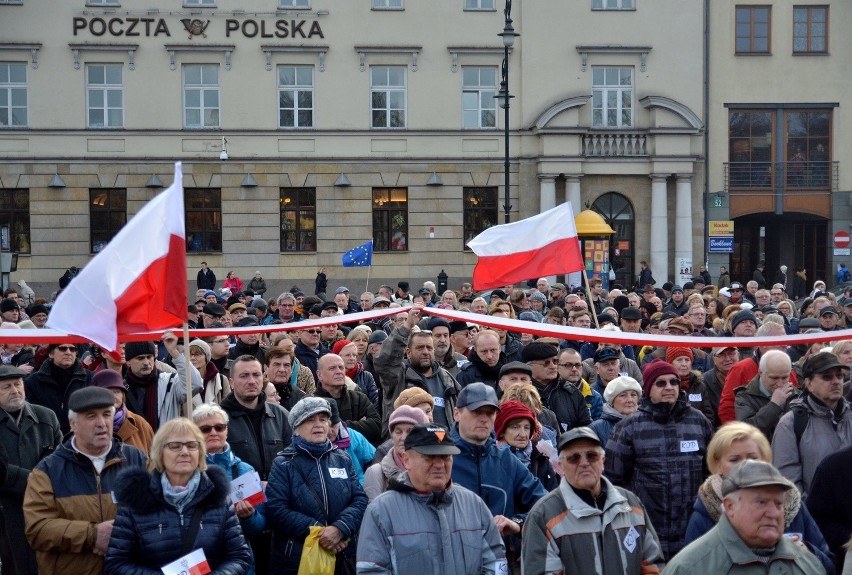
(313, 483)
(360, 336)
(622, 396)
(449, 300)
(216, 386)
(527, 394)
(130, 427)
(732, 443)
(402, 421)
(153, 508)
(518, 430)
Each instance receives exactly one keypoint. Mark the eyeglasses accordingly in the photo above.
(570, 365)
(312, 331)
(223, 340)
(67, 348)
(551, 361)
(662, 383)
(590, 456)
(776, 293)
(205, 429)
(179, 445)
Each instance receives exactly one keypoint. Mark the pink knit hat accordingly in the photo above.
(406, 414)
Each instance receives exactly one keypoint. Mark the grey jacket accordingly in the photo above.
(721, 551)
(405, 531)
(564, 533)
(825, 433)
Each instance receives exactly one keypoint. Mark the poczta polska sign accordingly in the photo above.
(150, 27)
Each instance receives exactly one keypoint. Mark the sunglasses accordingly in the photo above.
(570, 365)
(552, 361)
(179, 445)
(662, 383)
(219, 427)
(590, 456)
(67, 348)
(312, 331)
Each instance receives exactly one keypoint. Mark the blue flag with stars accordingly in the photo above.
(359, 256)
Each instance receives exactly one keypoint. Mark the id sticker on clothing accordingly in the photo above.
(631, 539)
(688, 446)
(695, 397)
(439, 401)
(337, 473)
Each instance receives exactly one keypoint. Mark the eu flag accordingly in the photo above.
(359, 256)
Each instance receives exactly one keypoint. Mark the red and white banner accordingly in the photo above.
(137, 282)
(542, 245)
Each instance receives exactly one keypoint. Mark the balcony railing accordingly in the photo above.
(604, 144)
(795, 177)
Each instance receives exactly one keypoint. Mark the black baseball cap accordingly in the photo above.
(821, 362)
(575, 434)
(430, 439)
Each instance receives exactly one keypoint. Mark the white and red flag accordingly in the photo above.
(542, 245)
(137, 283)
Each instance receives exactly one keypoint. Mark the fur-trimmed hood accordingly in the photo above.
(139, 489)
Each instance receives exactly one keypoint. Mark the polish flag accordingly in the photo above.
(542, 245)
(137, 282)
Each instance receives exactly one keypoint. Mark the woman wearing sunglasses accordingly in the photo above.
(658, 453)
(179, 507)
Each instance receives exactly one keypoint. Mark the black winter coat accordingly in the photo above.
(274, 429)
(567, 402)
(42, 389)
(148, 532)
(354, 405)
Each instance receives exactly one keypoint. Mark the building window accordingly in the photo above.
(15, 221)
(479, 5)
(387, 4)
(13, 95)
(750, 149)
(808, 148)
(105, 95)
(203, 208)
(390, 219)
(295, 3)
(298, 219)
(201, 96)
(295, 97)
(612, 97)
(102, 3)
(479, 106)
(810, 29)
(613, 5)
(199, 2)
(387, 86)
(753, 36)
(107, 215)
(618, 212)
(480, 211)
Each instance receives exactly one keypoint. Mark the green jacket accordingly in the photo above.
(721, 551)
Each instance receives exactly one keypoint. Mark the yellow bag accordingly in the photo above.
(315, 560)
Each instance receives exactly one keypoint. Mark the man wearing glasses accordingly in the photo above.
(59, 376)
(658, 453)
(559, 396)
(309, 350)
(587, 523)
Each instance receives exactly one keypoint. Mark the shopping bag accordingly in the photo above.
(315, 560)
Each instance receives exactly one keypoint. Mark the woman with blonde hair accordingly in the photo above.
(734, 442)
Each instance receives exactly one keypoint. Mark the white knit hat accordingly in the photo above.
(619, 385)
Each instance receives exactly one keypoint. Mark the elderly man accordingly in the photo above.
(486, 359)
(818, 424)
(354, 407)
(723, 359)
(308, 348)
(749, 537)
(59, 376)
(27, 433)
(460, 337)
(561, 397)
(504, 483)
(767, 396)
(588, 525)
(571, 370)
(426, 523)
(68, 503)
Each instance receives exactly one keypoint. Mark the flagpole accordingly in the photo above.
(187, 369)
(592, 310)
(369, 269)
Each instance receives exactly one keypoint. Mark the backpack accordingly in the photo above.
(801, 415)
(846, 275)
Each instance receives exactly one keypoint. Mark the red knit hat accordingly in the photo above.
(653, 370)
(673, 353)
(338, 345)
(512, 410)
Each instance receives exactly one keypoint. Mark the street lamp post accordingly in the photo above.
(508, 34)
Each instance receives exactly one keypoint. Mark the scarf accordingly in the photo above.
(118, 418)
(343, 440)
(524, 455)
(316, 450)
(177, 495)
(489, 373)
(150, 409)
(210, 373)
(351, 373)
(686, 381)
(397, 458)
(710, 494)
(294, 374)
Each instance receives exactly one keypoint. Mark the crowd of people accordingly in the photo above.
(400, 441)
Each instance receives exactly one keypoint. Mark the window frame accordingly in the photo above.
(619, 90)
(208, 233)
(9, 87)
(388, 209)
(305, 211)
(297, 89)
(388, 90)
(809, 10)
(385, 5)
(476, 6)
(109, 232)
(15, 215)
(105, 89)
(203, 89)
(482, 94)
(477, 211)
(294, 4)
(200, 3)
(604, 8)
(752, 10)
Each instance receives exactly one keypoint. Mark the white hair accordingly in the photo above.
(206, 410)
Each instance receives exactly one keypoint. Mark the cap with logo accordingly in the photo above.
(736, 286)
(430, 439)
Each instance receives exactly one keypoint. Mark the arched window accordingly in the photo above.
(618, 213)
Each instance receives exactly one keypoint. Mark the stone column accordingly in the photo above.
(683, 222)
(572, 193)
(659, 229)
(546, 192)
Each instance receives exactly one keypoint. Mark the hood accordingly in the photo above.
(402, 484)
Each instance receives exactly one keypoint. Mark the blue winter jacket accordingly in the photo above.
(234, 467)
(332, 495)
(498, 477)
(360, 451)
(148, 532)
